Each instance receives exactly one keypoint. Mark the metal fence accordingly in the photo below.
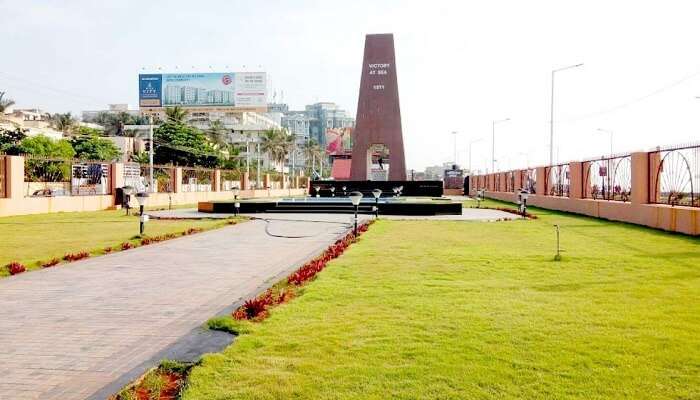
(674, 176)
(50, 177)
(530, 180)
(197, 179)
(608, 178)
(558, 180)
(230, 178)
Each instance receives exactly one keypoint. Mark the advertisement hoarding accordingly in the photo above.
(209, 89)
(338, 140)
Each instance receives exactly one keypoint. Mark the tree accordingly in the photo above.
(10, 140)
(114, 123)
(277, 144)
(180, 144)
(141, 158)
(217, 133)
(176, 114)
(5, 103)
(95, 148)
(312, 151)
(43, 146)
(63, 122)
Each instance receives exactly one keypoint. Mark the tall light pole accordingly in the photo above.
(454, 134)
(493, 142)
(551, 113)
(611, 138)
(470, 152)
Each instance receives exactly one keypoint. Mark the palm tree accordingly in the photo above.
(176, 114)
(5, 103)
(63, 122)
(217, 133)
(312, 151)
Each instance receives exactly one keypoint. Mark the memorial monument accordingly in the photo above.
(377, 152)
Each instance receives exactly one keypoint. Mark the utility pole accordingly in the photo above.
(454, 134)
(493, 142)
(551, 113)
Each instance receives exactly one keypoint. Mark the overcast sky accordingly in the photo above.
(460, 64)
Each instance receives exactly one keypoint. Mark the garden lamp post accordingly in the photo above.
(142, 198)
(355, 198)
(236, 204)
(493, 141)
(376, 193)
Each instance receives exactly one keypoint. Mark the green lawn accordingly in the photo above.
(455, 310)
(32, 238)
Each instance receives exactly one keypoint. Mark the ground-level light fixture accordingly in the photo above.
(142, 199)
(332, 191)
(376, 193)
(318, 190)
(345, 191)
(356, 198)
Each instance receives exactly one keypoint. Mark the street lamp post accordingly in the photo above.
(355, 198)
(236, 204)
(455, 146)
(376, 193)
(142, 199)
(470, 152)
(551, 113)
(493, 142)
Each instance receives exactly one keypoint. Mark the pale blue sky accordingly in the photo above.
(460, 64)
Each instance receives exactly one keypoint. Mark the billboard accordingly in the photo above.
(209, 89)
(338, 140)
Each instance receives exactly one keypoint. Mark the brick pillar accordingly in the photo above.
(642, 180)
(177, 176)
(116, 176)
(575, 179)
(540, 185)
(14, 174)
(217, 181)
(245, 181)
(266, 181)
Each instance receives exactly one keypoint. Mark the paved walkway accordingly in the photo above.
(80, 330)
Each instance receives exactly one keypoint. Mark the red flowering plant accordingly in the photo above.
(70, 257)
(15, 268)
(50, 263)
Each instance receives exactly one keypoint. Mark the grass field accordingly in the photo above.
(32, 238)
(455, 310)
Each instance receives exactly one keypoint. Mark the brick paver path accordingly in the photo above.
(67, 331)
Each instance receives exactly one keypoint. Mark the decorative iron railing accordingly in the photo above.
(674, 176)
(558, 180)
(510, 181)
(608, 178)
(230, 178)
(51, 177)
(197, 179)
(530, 180)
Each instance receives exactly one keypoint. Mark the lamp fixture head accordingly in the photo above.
(355, 197)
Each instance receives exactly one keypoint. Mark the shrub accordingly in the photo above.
(15, 268)
(107, 250)
(127, 246)
(228, 324)
(50, 263)
(70, 257)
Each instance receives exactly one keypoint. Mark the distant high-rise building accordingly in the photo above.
(278, 107)
(324, 116)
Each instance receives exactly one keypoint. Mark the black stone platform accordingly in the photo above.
(410, 188)
(336, 205)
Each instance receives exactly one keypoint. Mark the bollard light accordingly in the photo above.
(355, 198)
(376, 193)
(142, 199)
(332, 191)
(317, 189)
(557, 257)
(345, 191)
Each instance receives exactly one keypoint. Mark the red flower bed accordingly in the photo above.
(127, 246)
(15, 268)
(50, 263)
(256, 308)
(70, 257)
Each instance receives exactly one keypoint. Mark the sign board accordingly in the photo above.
(207, 89)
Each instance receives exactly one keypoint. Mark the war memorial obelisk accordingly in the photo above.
(378, 119)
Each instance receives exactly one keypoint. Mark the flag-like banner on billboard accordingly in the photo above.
(210, 89)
